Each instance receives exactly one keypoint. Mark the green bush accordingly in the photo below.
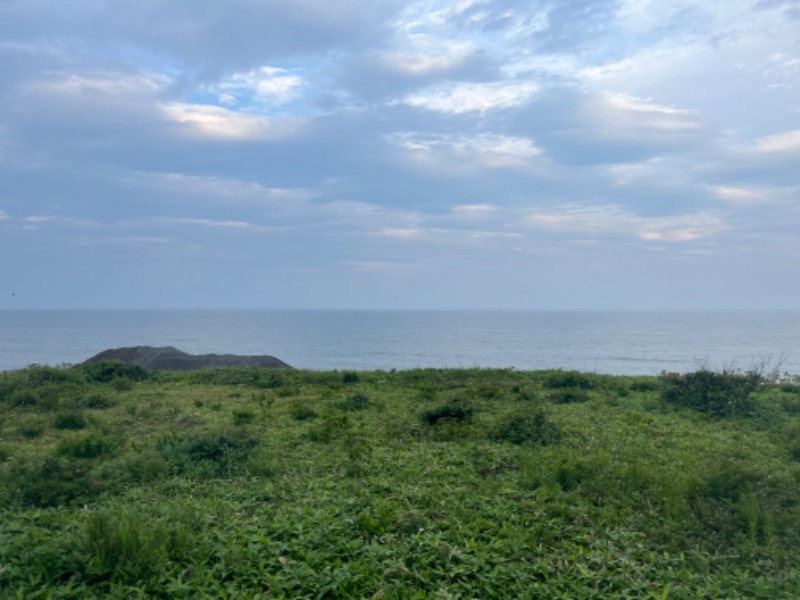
(303, 412)
(32, 428)
(530, 426)
(91, 445)
(243, 417)
(332, 425)
(567, 379)
(350, 377)
(354, 403)
(111, 370)
(645, 384)
(55, 481)
(211, 454)
(455, 411)
(716, 394)
(23, 397)
(568, 396)
(70, 420)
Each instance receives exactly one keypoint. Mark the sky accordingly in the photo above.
(417, 154)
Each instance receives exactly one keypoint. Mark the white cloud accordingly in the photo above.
(267, 85)
(221, 123)
(473, 210)
(781, 143)
(425, 64)
(106, 83)
(225, 189)
(625, 114)
(738, 195)
(462, 98)
(460, 154)
(615, 220)
(400, 232)
(220, 224)
(4, 216)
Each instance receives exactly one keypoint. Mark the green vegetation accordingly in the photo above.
(239, 483)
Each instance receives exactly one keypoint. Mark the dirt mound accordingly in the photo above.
(171, 359)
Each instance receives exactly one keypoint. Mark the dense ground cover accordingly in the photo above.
(244, 483)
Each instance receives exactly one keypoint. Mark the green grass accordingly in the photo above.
(242, 483)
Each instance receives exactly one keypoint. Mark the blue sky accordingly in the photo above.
(638, 154)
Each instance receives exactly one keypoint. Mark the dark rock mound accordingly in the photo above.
(172, 359)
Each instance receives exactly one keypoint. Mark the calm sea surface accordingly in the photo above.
(605, 342)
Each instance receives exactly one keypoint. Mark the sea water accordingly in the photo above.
(615, 342)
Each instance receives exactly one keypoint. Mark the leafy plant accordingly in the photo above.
(717, 394)
(210, 454)
(455, 411)
(355, 402)
(567, 379)
(568, 395)
(113, 370)
(528, 426)
(70, 420)
(243, 417)
(91, 445)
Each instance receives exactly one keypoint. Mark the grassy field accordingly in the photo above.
(251, 483)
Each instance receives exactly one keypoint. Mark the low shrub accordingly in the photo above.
(350, 377)
(23, 397)
(243, 417)
(303, 412)
(110, 370)
(91, 445)
(455, 411)
(567, 379)
(568, 395)
(354, 403)
(95, 401)
(531, 426)
(716, 394)
(32, 428)
(210, 454)
(70, 420)
(645, 384)
(331, 426)
(54, 481)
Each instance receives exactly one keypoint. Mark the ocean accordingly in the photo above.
(613, 342)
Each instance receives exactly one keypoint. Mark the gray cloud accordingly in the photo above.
(422, 153)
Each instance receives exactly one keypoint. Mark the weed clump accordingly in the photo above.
(455, 411)
(243, 417)
(213, 454)
(350, 377)
(567, 379)
(303, 412)
(571, 395)
(355, 402)
(32, 428)
(92, 445)
(132, 545)
(719, 395)
(70, 420)
(107, 371)
(529, 426)
(54, 481)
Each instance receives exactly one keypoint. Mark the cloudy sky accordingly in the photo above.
(542, 154)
